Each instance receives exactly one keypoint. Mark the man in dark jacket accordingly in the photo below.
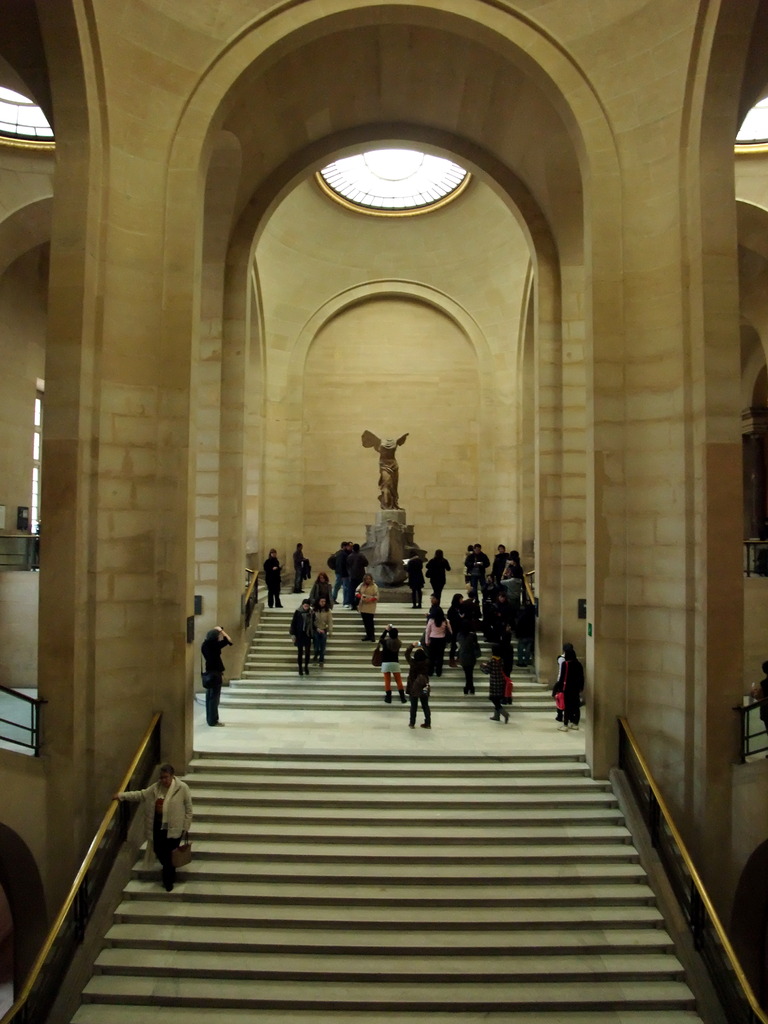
(340, 568)
(356, 566)
(213, 674)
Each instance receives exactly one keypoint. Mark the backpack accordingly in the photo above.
(331, 563)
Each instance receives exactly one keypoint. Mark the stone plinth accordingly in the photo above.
(387, 543)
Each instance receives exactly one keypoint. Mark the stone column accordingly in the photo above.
(754, 427)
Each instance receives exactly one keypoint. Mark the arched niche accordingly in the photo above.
(23, 887)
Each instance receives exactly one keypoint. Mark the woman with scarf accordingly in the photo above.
(303, 630)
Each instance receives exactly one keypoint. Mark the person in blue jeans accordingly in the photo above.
(215, 641)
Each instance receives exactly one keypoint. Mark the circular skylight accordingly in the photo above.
(393, 181)
(22, 118)
(755, 126)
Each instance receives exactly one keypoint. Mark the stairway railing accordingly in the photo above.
(754, 731)
(33, 706)
(709, 938)
(68, 930)
(250, 595)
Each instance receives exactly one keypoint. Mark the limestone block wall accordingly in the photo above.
(22, 361)
(19, 593)
(393, 367)
(397, 326)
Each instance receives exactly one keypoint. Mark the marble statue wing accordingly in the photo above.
(401, 440)
(370, 440)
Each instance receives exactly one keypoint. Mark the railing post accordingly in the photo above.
(654, 818)
(81, 909)
(697, 918)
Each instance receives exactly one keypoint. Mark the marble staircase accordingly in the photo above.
(363, 889)
(269, 679)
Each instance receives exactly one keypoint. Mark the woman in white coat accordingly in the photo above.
(167, 806)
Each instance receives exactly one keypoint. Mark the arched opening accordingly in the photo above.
(23, 912)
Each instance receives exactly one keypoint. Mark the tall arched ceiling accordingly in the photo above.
(426, 78)
(440, 79)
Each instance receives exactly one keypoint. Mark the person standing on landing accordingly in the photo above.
(272, 571)
(298, 568)
(571, 682)
(415, 569)
(215, 642)
(167, 817)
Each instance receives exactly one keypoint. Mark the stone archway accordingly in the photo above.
(23, 888)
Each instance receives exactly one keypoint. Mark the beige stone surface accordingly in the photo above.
(570, 346)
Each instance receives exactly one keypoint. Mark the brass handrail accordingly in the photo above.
(695, 878)
(251, 584)
(66, 906)
(247, 602)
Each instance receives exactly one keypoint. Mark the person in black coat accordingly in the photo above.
(215, 642)
(570, 682)
(415, 569)
(303, 631)
(437, 567)
(272, 571)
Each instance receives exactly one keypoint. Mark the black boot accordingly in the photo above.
(402, 696)
(388, 697)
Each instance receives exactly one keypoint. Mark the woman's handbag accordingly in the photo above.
(182, 855)
(508, 687)
(560, 700)
(377, 657)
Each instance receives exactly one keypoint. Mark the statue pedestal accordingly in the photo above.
(387, 543)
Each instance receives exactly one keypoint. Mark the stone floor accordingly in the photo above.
(384, 728)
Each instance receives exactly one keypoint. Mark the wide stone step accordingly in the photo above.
(388, 971)
(207, 935)
(543, 996)
(423, 893)
(148, 904)
(395, 763)
(94, 1013)
(233, 702)
(328, 850)
(328, 841)
(325, 874)
(471, 827)
(425, 782)
(431, 803)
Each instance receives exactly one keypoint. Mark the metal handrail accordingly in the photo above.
(755, 557)
(697, 906)
(33, 728)
(746, 711)
(79, 896)
(528, 587)
(251, 595)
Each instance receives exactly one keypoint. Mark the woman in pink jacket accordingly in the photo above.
(436, 635)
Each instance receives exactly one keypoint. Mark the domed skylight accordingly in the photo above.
(21, 118)
(393, 181)
(755, 126)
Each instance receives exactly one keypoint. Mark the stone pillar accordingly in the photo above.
(754, 427)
